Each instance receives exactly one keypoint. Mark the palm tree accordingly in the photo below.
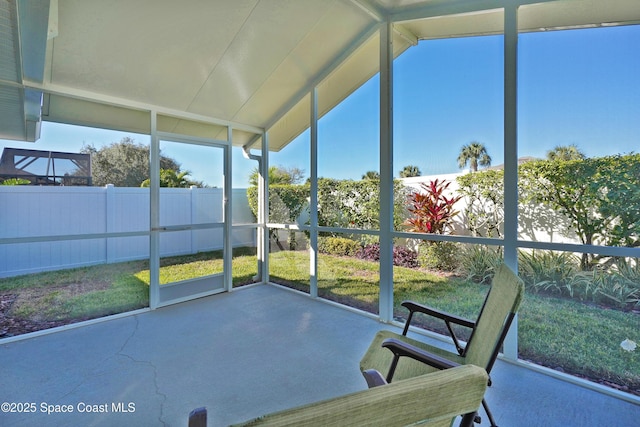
(475, 154)
(278, 175)
(371, 175)
(410, 171)
(173, 179)
(565, 152)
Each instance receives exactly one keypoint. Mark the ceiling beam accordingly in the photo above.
(138, 106)
(371, 9)
(447, 7)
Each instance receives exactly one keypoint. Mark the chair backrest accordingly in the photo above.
(501, 304)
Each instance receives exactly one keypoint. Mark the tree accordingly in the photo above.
(371, 175)
(278, 175)
(123, 164)
(565, 152)
(287, 198)
(409, 171)
(599, 196)
(172, 179)
(356, 204)
(475, 154)
(15, 181)
(484, 210)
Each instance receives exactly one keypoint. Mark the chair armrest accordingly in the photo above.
(403, 349)
(448, 318)
(414, 307)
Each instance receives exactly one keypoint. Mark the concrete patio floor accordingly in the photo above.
(240, 354)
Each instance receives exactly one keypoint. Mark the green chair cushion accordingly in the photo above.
(379, 358)
(433, 400)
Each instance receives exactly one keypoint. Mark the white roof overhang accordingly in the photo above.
(23, 38)
(205, 65)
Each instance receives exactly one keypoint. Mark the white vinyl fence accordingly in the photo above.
(46, 212)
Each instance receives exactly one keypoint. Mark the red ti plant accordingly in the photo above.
(431, 210)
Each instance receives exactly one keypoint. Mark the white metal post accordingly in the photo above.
(263, 205)
(510, 349)
(386, 172)
(154, 220)
(227, 201)
(313, 198)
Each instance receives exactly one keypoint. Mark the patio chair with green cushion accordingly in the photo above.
(409, 358)
(434, 400)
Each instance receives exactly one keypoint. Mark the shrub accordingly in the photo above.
(15, 181)
(620, 285)
(559, 273)
(479, 262)
(438, 255)
(548, 271)
(356, 204)
(402, 256)
(431, 210)
(370, 252)
(483, 213)
(405, 257)
(338, 246)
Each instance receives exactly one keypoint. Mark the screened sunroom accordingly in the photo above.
(299, 130)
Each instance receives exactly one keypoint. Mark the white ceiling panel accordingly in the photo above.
(159, 52)
(12, 123)
(339, 27)
(268, 38)
(9, 49)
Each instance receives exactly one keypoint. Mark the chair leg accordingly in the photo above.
(489, 414)
(468, 419)
(198, 418)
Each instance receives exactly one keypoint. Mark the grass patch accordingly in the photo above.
(581, 339)
(185, 267)
(77, 294)
(44, 300)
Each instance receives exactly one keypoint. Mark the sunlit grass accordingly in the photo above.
(579, 338)
(79, 293)
(96, 291)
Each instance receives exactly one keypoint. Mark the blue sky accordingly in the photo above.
(575, 87)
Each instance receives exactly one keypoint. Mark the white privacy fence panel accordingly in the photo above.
(127, 211)
(34, 212)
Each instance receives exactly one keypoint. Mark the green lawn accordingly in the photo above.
(77, 294)
(577, 338)
(85, 293)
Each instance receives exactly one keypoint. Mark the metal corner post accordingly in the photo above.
(263, 206)
(154, 201)
(511, 158)
(386, 171)
(228, 216)
(313, 198)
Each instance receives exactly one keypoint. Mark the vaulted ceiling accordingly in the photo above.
(205, 64)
